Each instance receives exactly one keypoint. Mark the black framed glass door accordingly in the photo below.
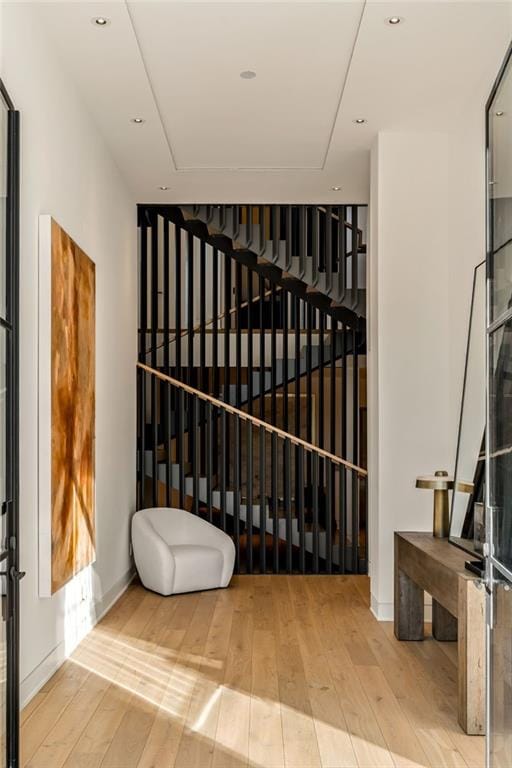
(499, 421)
(9, 454)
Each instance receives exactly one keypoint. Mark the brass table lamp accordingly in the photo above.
(440, 483)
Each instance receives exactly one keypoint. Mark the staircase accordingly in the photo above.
(251, 338)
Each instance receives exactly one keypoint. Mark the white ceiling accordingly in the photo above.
(289, 134)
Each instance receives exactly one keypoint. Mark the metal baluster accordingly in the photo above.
(315, 494)
(238, 353)
(141, 396)
(284, 313)
(275, 233)
(236, 494)
(332, 413)
(190, 336)
(321, 384)
(342, 254)
(343, 516)
(273, 356)
(262, 348)
(209, 460)
(328, 514)
(154, 292)
(288, 236)
(250, 499)
(302, 240)
(300, 508)
(275, 504)
(143, 318)
(168, 443)
(263, 500)
(328, 246)
(227, 328)
(355, 454)
(215, 349)
(177, 303)
(315, 245)
(287, 505)
(250, 354)
(224, 467)
(194, 440)
(180, 458)
(154, 443)
(203, 374)
(355, 248)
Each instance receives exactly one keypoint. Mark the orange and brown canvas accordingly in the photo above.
(72, 408)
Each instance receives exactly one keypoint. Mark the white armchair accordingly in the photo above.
(176, 551)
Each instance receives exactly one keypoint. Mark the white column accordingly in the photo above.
(427, 216)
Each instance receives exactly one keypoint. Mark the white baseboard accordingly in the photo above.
(35, 680)
(385, 611)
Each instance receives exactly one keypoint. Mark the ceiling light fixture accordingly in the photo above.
(394, 20)
(100, 21)
(335, 189)
(247, 74)
(163, 188)
(360, 120)
(499, 113)
(138, 120)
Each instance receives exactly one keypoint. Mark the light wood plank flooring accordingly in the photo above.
(274, 672)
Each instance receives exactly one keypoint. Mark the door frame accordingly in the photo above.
(11, 324)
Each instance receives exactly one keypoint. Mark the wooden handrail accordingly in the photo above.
(254, 420)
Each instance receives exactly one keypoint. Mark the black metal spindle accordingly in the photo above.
(154, 443)
(177, 302)
(328, 514)
(215, 322)
(154, 292)
(203, 373)
(342, 254)
(194, 440)
(273, 356)
(236, 494)
(284, 364)
(190, 338)
(262, 501)
(275, 504)
(287, 503)
(238, 347)
(141, 503)
(297, 364)
(315, 494)
(249, 342)
(209, 460)
(262, 348)
(166, 299)
(227, 341)
(321, 381)
(250, 500)
(355, 259)
(302, 240)
(300, 508)
(143, 295)
(355, 454)
(180, 452)
(167, 442)
(342, 485)
(332, 399)
(315, 245)
(328, 246)
(224, 467)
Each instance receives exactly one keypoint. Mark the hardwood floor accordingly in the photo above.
(274, 672)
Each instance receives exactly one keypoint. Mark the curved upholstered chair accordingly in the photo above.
(175, 551)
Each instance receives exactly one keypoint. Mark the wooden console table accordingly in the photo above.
(427, 564)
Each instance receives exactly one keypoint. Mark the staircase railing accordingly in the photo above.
(290, 506)
(319, 244)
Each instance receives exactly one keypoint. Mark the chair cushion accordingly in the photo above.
(196, 567)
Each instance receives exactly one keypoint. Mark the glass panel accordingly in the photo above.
(500, 192)
(3, 204)
(500, 736)
(466, 521)
(500, 441)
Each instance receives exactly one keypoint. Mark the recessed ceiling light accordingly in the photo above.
(163, 188)
(100, 21)
(138, 120)
(360, 120)
(394, 20)
(335, 189)
(247, 74)
(499, 113)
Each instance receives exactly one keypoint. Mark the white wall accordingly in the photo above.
(427, 232)
(67, 172)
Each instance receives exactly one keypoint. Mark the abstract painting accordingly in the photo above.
(67, 496)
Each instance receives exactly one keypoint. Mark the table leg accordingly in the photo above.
(409, 608)
(444, 625)
(471, 656)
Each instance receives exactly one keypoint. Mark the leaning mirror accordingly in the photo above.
(467, 510)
